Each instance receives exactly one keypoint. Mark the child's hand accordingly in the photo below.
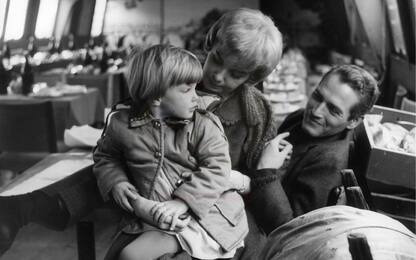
(275, 152)
(175, 224)
(171, 208)
(240, 182)
(122, 192)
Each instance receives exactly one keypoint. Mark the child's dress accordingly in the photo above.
(193, 239)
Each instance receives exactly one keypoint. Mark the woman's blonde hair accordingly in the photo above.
(152, 71)
(249, 36)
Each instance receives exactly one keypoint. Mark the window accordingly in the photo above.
(396, 27)
(98, 19)
(46, 18)
(3, 5)
(16, 18)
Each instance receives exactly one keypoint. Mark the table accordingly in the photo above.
(70, 110)
(111, 85)
(53, 168)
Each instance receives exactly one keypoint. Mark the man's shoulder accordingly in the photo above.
(291, 120)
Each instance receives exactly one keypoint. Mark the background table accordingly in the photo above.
(70, 110)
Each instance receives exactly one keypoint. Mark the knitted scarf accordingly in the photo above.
(258, 115)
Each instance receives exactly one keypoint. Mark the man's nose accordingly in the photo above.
(319, 109)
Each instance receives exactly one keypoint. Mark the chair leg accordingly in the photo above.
(85, 240)
(355, 198)
(358, 247)
(348, 178)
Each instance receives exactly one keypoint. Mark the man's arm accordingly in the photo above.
(309, 186)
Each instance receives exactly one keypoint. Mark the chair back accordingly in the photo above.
(408, 105)
(27, 126)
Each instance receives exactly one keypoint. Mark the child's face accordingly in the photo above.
(221, 75)
(179, 101)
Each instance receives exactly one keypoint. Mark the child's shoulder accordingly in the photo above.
(118, 113)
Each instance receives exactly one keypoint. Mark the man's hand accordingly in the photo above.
(122, 192)
(275, 152)
(169, 209)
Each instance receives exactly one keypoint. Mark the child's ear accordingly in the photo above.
(156, 102)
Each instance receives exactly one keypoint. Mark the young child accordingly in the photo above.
(177, 158)
(243, 47)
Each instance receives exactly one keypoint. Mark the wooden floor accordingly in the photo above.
(35, 242)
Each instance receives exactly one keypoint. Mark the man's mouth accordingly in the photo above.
(314, 120)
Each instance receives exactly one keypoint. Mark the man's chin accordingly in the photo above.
(310, 130)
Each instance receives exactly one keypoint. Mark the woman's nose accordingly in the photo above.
(218, 76)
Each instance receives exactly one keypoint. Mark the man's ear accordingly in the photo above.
(353, 123)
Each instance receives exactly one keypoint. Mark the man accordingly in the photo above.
(320, 136)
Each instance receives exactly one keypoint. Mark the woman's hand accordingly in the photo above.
(275, 152)
(122, 192)
(169, 209)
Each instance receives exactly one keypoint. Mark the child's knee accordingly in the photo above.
(127, 254)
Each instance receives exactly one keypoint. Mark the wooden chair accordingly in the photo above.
(349, 193)
(408, 105)
(27, 133)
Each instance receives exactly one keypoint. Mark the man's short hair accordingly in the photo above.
(251, 37)
(152, 71)
(362, 82)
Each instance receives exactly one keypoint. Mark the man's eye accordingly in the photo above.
(335, 112)
(237, 74)
(316, 96)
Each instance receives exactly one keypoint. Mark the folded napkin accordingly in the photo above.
(82, 136)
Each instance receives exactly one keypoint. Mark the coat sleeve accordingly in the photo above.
(109, 167)
(308, 187)
(318, 176)
(214, 166)
(267, 200)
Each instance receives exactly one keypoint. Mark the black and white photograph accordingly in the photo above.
(207, 129)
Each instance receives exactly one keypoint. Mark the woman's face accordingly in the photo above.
(221, 74)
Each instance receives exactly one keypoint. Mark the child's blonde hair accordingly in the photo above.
(251, 37)
(152, 71)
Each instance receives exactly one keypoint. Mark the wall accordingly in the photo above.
(145, 18)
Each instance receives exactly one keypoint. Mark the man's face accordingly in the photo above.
(221, 74)
(179, 101)
(328, 109)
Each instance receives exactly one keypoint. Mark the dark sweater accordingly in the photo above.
(304, 183)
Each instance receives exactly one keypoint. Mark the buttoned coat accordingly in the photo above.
(135, 147)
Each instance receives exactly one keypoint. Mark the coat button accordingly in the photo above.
(158, 154)
(156, 124)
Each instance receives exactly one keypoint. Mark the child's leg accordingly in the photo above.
(150, 245)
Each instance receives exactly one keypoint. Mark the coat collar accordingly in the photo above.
(140, 115)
